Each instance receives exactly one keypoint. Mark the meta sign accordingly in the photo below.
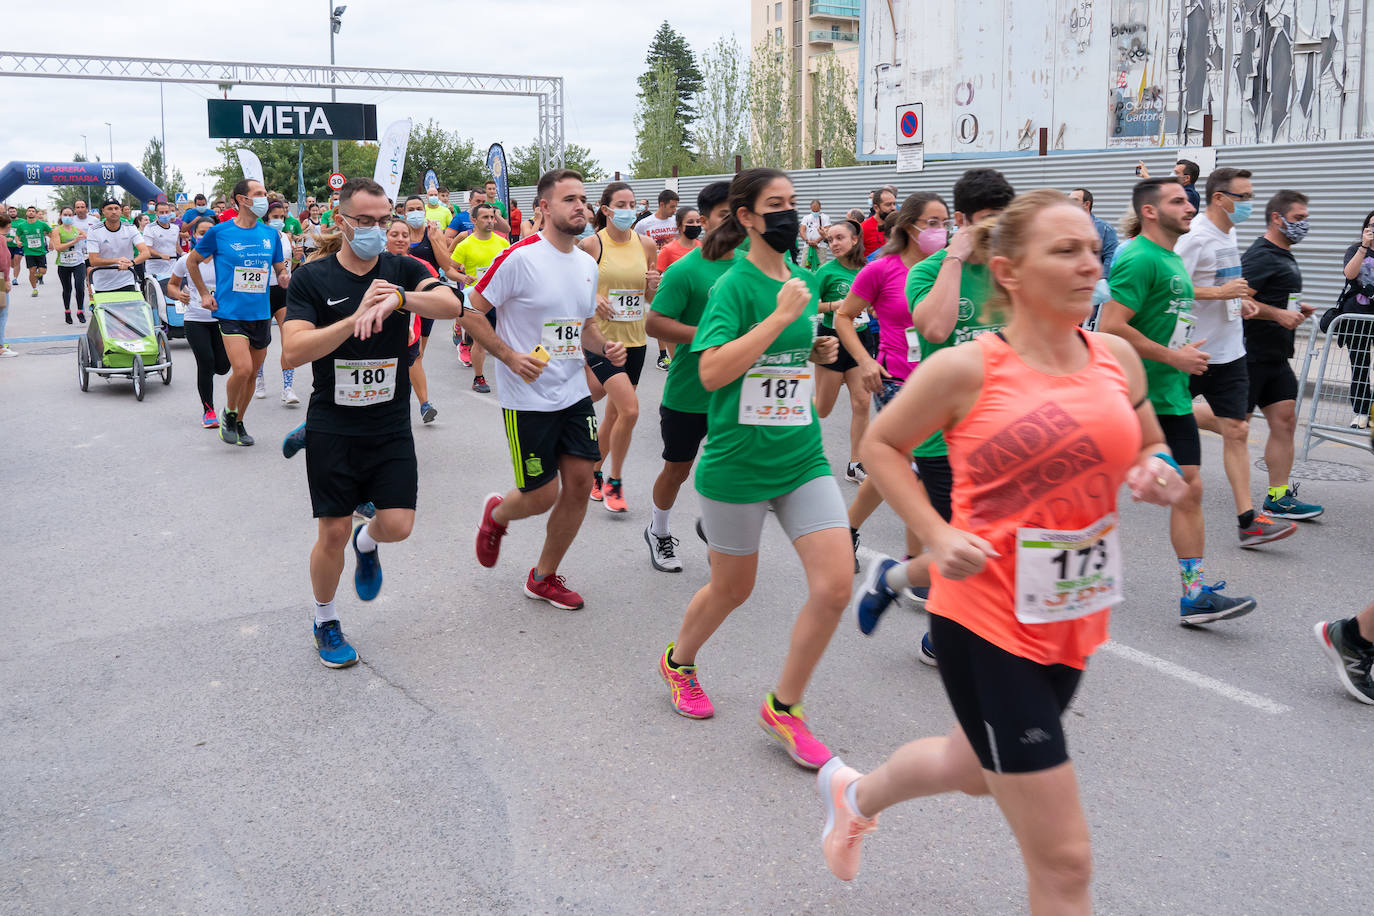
(240, 120)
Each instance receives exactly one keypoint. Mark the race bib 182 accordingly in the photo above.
(628, 304)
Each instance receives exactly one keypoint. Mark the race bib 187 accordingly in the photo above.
(775, 396)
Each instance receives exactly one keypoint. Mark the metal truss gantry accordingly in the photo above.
(548, 90)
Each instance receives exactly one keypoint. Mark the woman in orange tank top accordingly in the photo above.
(1044, 423)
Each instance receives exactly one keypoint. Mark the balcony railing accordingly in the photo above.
(835, 8)
(832, 36)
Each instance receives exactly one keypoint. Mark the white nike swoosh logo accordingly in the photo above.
(336, 301)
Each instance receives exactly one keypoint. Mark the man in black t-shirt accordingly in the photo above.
(1271, 270)
(349, 315)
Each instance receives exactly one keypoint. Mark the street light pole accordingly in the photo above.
(107, 124)
(87, 147)
(163, 110)
(335, 24)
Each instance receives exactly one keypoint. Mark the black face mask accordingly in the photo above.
(691, 232)
(780, 229)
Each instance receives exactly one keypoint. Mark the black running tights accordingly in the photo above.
(208, 348)
(73, 277)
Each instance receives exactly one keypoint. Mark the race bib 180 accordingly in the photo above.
(364, 382)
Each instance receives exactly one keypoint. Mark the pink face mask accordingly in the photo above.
(933, 239)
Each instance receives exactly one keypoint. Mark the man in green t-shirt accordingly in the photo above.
(327, 217)
(495, 200)
(673, 318)
(1151, 308)
(33, 238)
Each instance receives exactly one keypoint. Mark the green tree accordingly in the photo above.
(722, 127)
(455, 159)
(670, 48)
(523, 164)
(832, 127)
(278, 158)
(772, 108)
(658, 133)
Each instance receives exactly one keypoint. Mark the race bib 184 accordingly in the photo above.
(1064, 575)
(562, 337)
(775, 396)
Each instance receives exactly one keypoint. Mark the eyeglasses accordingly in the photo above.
(366, 222)
(935, 222)
(1239, 196)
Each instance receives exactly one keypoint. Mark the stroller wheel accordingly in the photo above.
(140, 378)
(83, 362)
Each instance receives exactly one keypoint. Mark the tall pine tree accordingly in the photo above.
(669, 47)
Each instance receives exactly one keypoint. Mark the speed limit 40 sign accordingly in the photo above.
(336, 181)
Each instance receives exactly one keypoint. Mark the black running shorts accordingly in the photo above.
(258, 333)
(1225, 387)
(603, 368)
(938, 478)
(537, 438)
(1271, 381)
(344, 471)
(1009, 707)
(1180, 434)
(844, 362)
(682, 433)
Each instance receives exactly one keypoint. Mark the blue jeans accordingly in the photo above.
(4, 315)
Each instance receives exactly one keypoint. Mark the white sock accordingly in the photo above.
(851, 797)
(897, 578)
(366, 543)
(260, 372)
(324, 612)
(659, 526)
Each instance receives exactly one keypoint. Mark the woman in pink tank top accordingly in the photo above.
(1044, 423)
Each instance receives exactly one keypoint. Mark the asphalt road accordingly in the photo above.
(171, 743)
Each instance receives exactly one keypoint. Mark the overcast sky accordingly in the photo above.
(597, 46)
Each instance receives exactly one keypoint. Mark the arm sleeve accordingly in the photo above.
(301, 301)
(206, 246)
(1130, 282)
(866, 284)
(720, 321)
(496, 284)
(673, 294)
(919, 282)
(1196, 257)
(1108, 248)
(1256, 268)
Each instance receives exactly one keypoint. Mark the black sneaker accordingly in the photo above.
(69, 317)
(1211, 605)
(244, 438)
(854, 535)
(1353, 666)
(229, 428)
(1264, 529)
(479, 385)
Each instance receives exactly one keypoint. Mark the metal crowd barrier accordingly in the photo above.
(1333, 399)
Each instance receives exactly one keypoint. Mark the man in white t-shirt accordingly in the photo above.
(543, 289)
(661, 225)
(115, 243)
(813, 226)
(1221, 299)
(162, 236)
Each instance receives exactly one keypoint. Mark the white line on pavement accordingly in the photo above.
(1163, 666)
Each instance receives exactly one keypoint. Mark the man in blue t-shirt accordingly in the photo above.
(461, 224)
(243, 250)
(197, 211)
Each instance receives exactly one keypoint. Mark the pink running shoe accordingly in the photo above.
(554, 590)
(489, 533)
(791, 730)
(688, 698)
(843, 836)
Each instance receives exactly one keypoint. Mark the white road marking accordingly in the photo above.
(1164, 666)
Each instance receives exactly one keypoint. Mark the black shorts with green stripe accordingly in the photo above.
(537, 438)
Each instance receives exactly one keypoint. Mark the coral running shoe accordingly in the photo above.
(614, 496)
(843, 836)
(688, 698)
(489, 533)
(597, 481)
(553, 589)
(790, 729)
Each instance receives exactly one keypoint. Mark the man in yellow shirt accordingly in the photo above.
(472, 256)
(436, 207)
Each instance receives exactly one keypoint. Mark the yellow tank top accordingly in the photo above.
(620, 275)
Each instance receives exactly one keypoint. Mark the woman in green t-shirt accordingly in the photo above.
(846, 244)
(763, 450)
(71, 261)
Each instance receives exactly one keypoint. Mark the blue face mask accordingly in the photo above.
(433, 201)
(368, 243)
(164, 218)
(259, 207)
(274, 223)
(623, 219)
(1242, 211)
(68, 220)
(415, 219)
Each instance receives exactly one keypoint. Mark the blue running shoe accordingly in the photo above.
(365, 510)
(427, 412)
(927, 653)
(1290, 507)
(367, 574)
(1212, 605)
(294, 442)
(917, 595)
(335, 652)
(876, 595)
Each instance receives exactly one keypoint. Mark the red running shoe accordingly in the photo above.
(554, 590)
(489, 533)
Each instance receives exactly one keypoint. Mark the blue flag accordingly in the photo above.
(300, 176)
(496, 168)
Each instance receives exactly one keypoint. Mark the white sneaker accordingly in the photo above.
(1360, 421)
(855, 473)
(288, 397)
(662, 555)
(260, 388)
(6, 352)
